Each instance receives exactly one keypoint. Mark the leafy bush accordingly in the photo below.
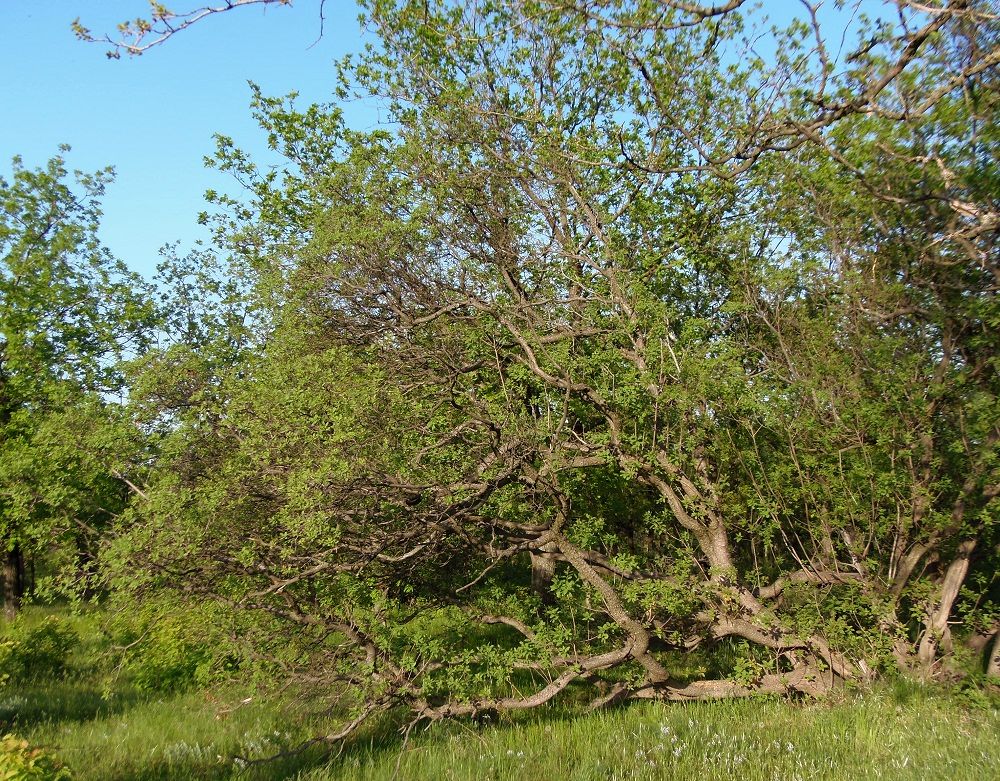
(21, 762)
(40, 651)
(169, 648)
(168, 661)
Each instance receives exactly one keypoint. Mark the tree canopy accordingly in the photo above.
(626, 360)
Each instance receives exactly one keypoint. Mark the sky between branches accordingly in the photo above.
(153, 117)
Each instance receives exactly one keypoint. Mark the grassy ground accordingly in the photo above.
(900, 731)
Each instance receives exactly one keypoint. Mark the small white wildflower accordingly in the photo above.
(790, 747)
(677, 751)
(664, 729)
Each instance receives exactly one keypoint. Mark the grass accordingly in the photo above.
(874, 735)
(178, 737)
(900, 731)
(862, 738)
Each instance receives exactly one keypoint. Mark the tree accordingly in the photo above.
(713, 334)
(69, 313)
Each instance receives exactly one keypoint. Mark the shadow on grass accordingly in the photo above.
(382, 741)
(169, 766)
(25, 705)
(207, 770)
(186, 736)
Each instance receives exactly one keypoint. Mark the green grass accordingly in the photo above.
(865, 738)
(899, 731)
(179, 737)
(875, 735)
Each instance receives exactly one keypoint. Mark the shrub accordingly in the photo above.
(167, 648)
(40, 651)
(20, 762)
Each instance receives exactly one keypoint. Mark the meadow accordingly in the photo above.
(97, 724)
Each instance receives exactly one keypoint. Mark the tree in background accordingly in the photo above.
(69, 314)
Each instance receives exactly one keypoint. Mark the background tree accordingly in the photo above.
(69, 314)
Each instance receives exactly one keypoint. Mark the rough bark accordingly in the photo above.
(640, 637)
(936, 632)
(543, 569)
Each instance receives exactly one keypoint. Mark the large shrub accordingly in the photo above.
(40, 651)
(627, 343)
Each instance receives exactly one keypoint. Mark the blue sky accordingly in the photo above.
(152, 117)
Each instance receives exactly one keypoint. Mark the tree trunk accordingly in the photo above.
(543, 569)
(993, 663)
(85, 561)
(13, 582)
(936, 630)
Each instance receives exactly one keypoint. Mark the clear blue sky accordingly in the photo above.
(152, 117)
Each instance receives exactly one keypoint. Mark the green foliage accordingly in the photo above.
(164, 647)
(852, 618)
(36, 651)
(69, 315)
(20, 762)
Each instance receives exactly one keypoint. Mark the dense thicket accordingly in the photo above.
(644, 350)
